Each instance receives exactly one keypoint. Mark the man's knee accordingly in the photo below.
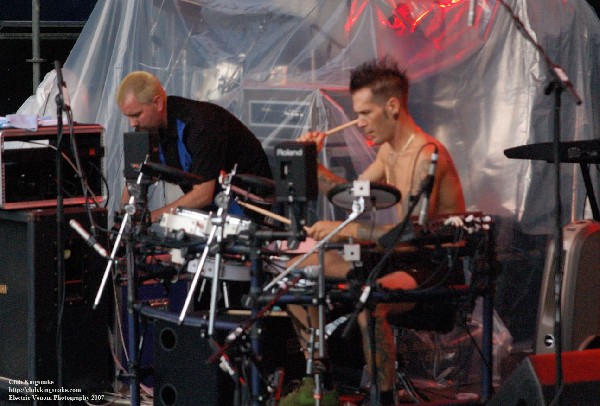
(397, 280)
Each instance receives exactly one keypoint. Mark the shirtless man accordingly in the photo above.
(380, 99)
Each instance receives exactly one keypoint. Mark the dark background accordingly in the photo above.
(61, 22)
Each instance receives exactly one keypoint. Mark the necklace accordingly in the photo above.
(410, 139)
(393, 154)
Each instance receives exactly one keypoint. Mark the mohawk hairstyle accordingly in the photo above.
(383, 77)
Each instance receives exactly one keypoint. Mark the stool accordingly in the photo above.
(438, 315)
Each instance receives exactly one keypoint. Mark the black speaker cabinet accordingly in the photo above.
(169, 297)
(580, 290)
(182, 375)
(532, 383)
(29, 303)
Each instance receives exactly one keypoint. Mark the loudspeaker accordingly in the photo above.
(532, 383)
(29, 303)
(581, 280)
(182, 375)
(166, 295)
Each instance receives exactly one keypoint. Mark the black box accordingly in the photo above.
(183, 375)
(296, 171)
(137, 147)
(28, 166)
(29, 303)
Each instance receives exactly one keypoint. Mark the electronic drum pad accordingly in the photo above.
(381, 196)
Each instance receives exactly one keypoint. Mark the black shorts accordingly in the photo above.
(428, 267)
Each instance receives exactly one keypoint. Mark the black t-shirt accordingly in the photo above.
(215, 139)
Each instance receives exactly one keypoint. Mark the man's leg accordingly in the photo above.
(306, 318)
(303, 320)
(385, 348)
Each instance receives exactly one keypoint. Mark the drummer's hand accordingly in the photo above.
(314, 136)
(321, 229)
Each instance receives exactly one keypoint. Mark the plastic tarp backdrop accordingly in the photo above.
(283, 68)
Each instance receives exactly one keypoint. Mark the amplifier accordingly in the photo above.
(28, 166)
(276, 115)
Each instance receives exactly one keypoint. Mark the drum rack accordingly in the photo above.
(261, 298)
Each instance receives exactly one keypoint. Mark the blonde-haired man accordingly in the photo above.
(197, 137)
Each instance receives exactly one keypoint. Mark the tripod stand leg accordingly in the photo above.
(487, 345)
(132, 327)
(374, 388)
(402, 380)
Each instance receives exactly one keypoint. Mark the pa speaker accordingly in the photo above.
(29, 303)
(532, 383)
(581, 283)
(183, 376)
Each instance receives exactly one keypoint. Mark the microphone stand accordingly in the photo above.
(132, 322)
(560, 81)
(129, 212)
(217, 229)
(61, 106)
(255, 283)
(360, 189)
(320, 369)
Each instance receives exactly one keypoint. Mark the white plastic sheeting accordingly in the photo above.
(283, 67)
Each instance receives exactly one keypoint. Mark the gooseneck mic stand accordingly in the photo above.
(216, 231)
(558, 83)
(62, 104)
(132, 323)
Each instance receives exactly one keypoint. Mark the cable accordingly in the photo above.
(72, 165)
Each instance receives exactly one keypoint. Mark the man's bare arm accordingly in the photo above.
(200, 196)
(327, 179)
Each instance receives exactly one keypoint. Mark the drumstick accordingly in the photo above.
(341, 127)
(265, 212)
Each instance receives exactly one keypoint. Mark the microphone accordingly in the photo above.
(234, 335)
(358, 307)
(90, 240)
(428, 186)
(471, 14)
(226, 366)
